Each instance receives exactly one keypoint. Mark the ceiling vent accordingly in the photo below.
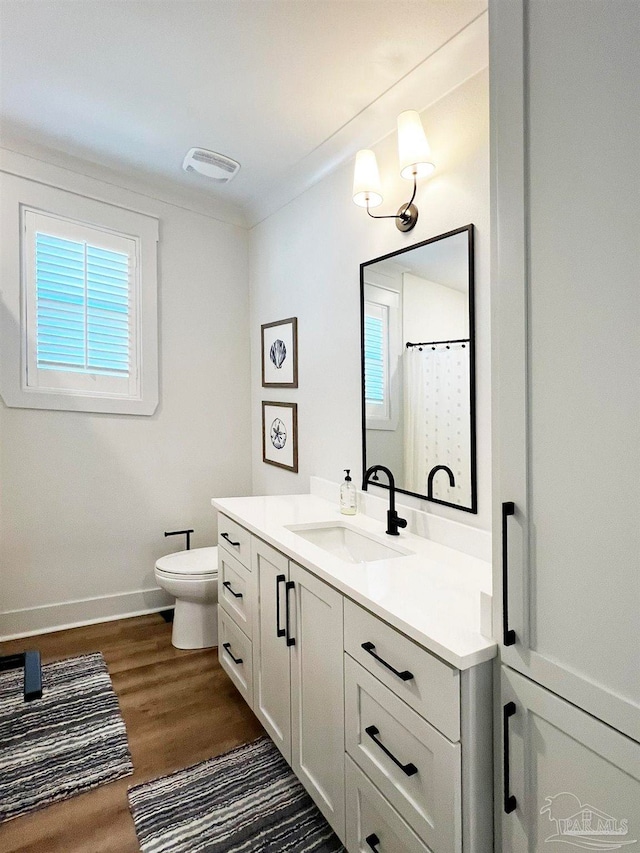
(215, 166)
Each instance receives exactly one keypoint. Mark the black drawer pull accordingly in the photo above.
(280, 632)
(373, 841)
(228, 586)
(291, 641)
(227, 648)
(508, 634)
(228, 538)
(405, 675)
(409, 769)
(510, 802)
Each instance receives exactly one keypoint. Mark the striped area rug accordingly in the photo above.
(71, 740)
(245, 801)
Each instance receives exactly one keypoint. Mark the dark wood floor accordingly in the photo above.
(179, 708)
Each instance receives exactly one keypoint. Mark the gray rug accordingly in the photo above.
(245, 801)
(71, 740)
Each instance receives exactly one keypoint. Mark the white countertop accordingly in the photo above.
(431, 595)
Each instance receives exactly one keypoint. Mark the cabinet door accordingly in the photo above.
(317, 693)
(271, 686)
(566, 308)
(575, 782)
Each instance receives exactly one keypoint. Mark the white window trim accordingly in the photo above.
(20, 195)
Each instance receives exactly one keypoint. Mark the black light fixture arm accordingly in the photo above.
(407, 215)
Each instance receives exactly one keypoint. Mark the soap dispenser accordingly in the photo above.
(348, 499)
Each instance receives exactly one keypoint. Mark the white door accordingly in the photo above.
(317, 693)
(566, 305)
(271, 686)
(572, 783)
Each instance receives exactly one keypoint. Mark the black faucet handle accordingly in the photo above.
(394, 522)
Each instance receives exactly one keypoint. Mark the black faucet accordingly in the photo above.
(393, 519)
(433, 473)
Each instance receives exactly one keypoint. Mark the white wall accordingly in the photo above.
(305, 262)
(85, 498)
(431, 311)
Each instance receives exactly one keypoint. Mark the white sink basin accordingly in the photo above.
(347, 543)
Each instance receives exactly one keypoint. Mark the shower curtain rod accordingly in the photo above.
(436, 343)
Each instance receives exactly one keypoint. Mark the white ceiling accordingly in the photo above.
(290, 88)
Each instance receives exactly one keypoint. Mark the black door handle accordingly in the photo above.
(287, 589)
(508, 634)
(228, 538)
(373, 841)
(280, 632)
(405, 675)
(228, 586)
(409, 769)
(227, 648)
(510, 802)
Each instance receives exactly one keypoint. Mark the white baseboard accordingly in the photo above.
(15, 624)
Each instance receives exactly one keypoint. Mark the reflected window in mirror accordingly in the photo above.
(418, 372)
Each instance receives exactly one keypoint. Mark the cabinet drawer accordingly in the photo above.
(234, 539)
(372, 823)
(434, 688)
(235, 653)
(235, 590)
(382, 733)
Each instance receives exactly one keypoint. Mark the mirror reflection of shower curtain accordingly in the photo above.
(437, 422)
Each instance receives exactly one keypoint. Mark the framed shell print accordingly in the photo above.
(280, 435)
(280, 354)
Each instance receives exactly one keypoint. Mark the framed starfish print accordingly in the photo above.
(280, 435)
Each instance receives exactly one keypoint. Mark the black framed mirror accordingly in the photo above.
(418, 368)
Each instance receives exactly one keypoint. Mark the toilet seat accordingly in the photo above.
(196, 564)
(183, 576)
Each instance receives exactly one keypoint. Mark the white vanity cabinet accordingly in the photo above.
(297, 691)
(236, 597)
(272, 674)
(419, 731)
(392, 743)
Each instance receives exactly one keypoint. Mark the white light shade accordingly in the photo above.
(413, 149)
(366, 180)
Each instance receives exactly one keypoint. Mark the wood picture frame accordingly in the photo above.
(279, 350)
(280, 435)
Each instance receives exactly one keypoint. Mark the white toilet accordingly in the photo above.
(192, 578)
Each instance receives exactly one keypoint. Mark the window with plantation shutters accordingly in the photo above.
(381, 344)
(375, 354)
(82, 306)
(82, 314)
(79, 301)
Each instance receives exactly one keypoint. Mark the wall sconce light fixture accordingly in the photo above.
(415, 162)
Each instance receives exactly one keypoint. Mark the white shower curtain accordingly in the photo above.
(437, 422)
